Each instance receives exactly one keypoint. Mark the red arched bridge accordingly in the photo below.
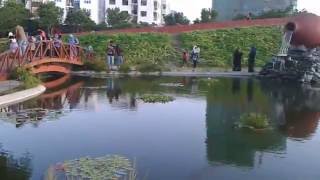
(42, 57)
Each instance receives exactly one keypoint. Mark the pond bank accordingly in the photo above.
(8, 85)
(21, 96)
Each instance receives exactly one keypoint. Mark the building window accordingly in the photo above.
(164, 6)
(125, 2)
(88, 12)
(112, 1)
(143, 13)
(155, 5)
(143, 2)
(155, 16)
(134, 1)
(87, 1)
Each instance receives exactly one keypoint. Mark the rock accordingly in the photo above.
(299, 65)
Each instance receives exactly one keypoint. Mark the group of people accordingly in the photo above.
(237, 59)
(194, 56)
(114, 55)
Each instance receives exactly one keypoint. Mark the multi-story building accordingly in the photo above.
(228, 9)
(142, 11)
(146, 11)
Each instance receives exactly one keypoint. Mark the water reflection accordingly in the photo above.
(14, 168)
(293, 110)
(227, 145)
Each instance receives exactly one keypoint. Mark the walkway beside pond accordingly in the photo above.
(21, 96)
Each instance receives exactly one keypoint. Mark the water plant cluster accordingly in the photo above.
(25, 76)
(254, 121)
(156, 98)
(217, 46)
(111, 167)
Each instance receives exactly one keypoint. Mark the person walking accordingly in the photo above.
(237, 58)
(252, 59)
(32, 43)
(110, 50)
(13, 46)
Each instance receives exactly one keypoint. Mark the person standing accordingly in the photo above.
(119, 55)
(21, 39)
(110, 54)
(73, 42)
(237, 58)
(195, 56)
(252, 59)
(185, 57)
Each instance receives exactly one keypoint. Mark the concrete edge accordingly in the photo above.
(21, 96)
(172, 74)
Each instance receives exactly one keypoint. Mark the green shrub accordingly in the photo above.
(26, 77)
(124, 68)
(254, 120)
(217, 46)
(95, 65)
(156, 98)
(147, 67)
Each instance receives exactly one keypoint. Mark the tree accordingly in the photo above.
(197, 21)
(176, 18)
(79, 19)
(208, 15)
(117, 17)
(12, 14)
(49, 15)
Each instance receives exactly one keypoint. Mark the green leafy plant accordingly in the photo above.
(254, 121)
(124, 68)
(149, 67)
(94, 65)
(24, 75)
(156, 98)
(107, 167)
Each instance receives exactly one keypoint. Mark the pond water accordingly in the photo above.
(192, 137)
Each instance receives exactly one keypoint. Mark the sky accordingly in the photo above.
(192, 9)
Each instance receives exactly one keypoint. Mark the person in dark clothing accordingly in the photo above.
(237, 58)
(252, 58)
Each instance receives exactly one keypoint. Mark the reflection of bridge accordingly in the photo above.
(48, 56)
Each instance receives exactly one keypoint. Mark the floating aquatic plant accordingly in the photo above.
(254, 121)
(112, 167)
(156, 98)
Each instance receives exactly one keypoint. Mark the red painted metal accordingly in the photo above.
(46, 55)
(194, 27)
(306, 27)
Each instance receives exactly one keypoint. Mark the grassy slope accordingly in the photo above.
(217, 46)
(138, 48)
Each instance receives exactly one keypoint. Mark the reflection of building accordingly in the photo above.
(228, 9)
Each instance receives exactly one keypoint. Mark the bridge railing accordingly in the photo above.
(43, 50)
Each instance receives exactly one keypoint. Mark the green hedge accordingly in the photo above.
(217, 46)
(150, 48)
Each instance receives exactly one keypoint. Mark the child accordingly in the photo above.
(185, 57)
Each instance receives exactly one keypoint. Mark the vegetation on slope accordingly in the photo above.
(144, 48)
(217, 46)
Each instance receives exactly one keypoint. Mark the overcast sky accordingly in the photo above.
(192, 8)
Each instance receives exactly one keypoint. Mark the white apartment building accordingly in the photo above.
(146, 11)
(142, 11)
